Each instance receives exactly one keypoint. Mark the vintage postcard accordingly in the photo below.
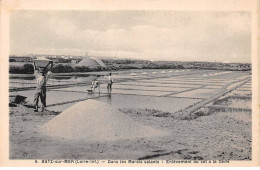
(129, 83)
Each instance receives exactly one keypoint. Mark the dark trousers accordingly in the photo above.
(109, 87)
(40, 93)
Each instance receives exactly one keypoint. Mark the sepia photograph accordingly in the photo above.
(137, 86)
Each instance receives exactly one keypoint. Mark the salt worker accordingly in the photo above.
(95, 84)
(110, 82)
(42, 74)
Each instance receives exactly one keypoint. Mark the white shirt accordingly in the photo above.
(110, 78)
(41, 79)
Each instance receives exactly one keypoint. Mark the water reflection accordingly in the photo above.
(57, 77)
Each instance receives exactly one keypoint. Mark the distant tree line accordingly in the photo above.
(69, 69)
(135, 64)
(59, 68)
(25, 69)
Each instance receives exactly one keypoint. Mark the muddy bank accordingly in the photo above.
(220, 135)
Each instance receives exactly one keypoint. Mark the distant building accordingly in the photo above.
(91, 62)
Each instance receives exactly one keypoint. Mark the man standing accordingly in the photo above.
(42, 75)
(110, 82)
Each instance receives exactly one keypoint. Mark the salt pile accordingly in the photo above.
(95, 120)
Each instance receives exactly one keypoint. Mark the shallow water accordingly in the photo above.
(142, 93)
(157, 88)
(53, 97)
(198, 93)
(166, 104)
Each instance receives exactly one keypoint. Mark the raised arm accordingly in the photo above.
(34, 66)
(51, 64)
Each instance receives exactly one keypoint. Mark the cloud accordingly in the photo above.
(162, 35)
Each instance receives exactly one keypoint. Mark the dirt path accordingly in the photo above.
(220, 135)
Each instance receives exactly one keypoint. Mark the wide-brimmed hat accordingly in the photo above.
(42, 62)
(42, 58)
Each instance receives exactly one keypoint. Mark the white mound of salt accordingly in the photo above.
(95, 120)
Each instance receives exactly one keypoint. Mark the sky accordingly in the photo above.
(150, 35)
